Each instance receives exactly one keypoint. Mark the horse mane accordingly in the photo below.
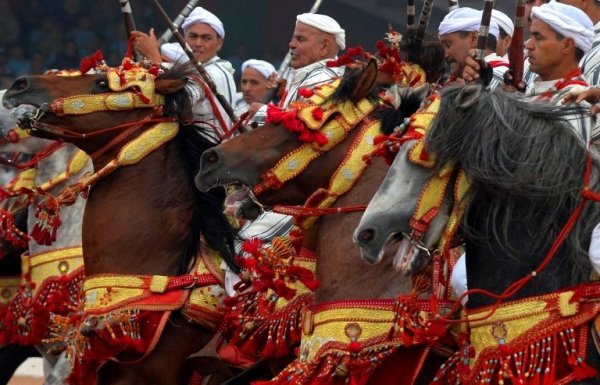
(178, 104)
(525, 164)
(209, 220)
(390, 117)
(428, 53)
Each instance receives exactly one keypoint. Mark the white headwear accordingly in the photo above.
(568, 21)
(503, 22)
(174, 53)
(265, 68)
(465, 19)
(326, 24)
(201, 15)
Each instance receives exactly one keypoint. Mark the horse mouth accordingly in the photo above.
(409, 259)
(24, 114)
(242, 203)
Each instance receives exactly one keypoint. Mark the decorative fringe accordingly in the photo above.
(92, 340)
(258, 328)
(10, 232)
(552, 359)
(28, 315)
(263, 319)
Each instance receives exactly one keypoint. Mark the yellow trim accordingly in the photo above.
(147, 142)
(55, 263)
(350, 170)
(330, 325)
(158, 283)
(514, 318)
(25, 179)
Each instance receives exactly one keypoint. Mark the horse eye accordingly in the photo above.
(102, 84)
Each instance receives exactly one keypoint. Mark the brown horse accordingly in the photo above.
(244, 160)
(144, 222)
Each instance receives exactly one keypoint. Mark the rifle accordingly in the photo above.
(166, 36)
(410, 13)
(285, 64)
(484, 30)
(129, 23)
(452, 5)
(190, 54)
(516, 57)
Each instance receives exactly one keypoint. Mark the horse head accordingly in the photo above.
(267, 160)
(389, 213)
(91, 109)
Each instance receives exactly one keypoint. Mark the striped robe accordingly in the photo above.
(499, 67)
(221, 73)
(583, 124)
(590, 63)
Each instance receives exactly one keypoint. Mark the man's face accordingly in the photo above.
(502, 45)
(254, 86)
(456, 49)
(544, 50)
(204, 41)
(306, 46)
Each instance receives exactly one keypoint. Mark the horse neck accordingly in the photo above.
(69, 233)
(491, 267)
(341, 272)
(144, 212)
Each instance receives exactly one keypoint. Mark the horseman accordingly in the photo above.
(258, 77)
(205, 34)
(561, 35)
(590, 64)
(458, 33)
(506, 30)
(316, 40)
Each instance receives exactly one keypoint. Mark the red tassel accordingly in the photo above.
(321, 138)
(583, 371)
(306, 92)
(354, 347)
(91, 61)
(306, 136)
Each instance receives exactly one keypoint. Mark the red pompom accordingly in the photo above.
(306, 92)
(317, 113)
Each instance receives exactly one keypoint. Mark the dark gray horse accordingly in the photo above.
(525, 166)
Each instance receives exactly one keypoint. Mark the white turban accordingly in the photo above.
(568, 21)
(174, 53)
(503, 22)
(200, 15)
(265, 68)
(465, 19)
(326, 24)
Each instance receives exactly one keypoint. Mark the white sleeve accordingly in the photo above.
(594, 251)
(458, 279)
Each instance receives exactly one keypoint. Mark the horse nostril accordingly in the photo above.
(367, 235)
(20, 84)
(211, 157)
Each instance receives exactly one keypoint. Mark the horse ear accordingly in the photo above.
(366, 81)
(169, 86)
(468, 96)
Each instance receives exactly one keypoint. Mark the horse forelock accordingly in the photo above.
(178, 104)
(525, 164)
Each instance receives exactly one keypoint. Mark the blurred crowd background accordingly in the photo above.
(37, 35)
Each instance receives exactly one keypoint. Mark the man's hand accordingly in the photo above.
(147, 45)
(471, 70)
(253, 108)
(590, 95)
